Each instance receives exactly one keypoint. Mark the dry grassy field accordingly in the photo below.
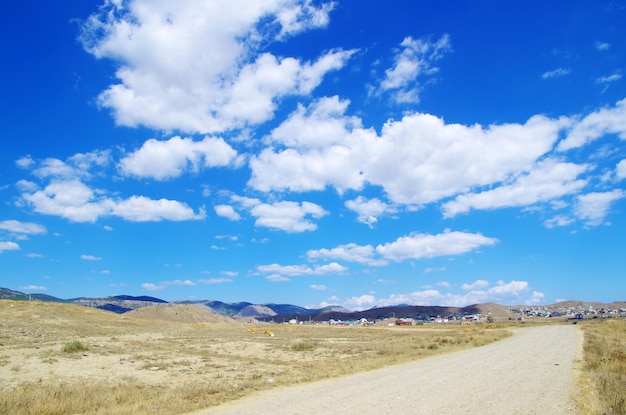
(67, 359)
(603, 371)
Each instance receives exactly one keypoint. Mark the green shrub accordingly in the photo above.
(74, 347)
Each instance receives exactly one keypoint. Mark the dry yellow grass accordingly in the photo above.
(603, 371)
(141, 366)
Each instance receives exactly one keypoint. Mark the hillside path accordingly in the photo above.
(531, 372)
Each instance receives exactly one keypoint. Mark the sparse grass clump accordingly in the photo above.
(303, 346)
(74, 347)
(603, 378)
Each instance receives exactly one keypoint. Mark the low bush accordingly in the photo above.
(74, 347)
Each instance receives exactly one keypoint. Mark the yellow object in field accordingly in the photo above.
(269, 333)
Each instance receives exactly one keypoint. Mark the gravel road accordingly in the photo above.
(531, 372)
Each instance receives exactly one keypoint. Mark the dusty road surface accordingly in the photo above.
(531, 372)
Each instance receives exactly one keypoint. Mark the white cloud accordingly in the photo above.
(513, 288)
(475, 285)
(360, 303)
(33, 288)
(603, 46)
(593, 207)
(212, 281)
(77, 202)
(513, 292)
(78, 166)
(413, 246)
(227, 211)
(595, 125)
(364, 254)
(417, 246)
(229, 273)
(620, 170)
(285, 216)
(416, 160)
(162, 160)
(188, 283)
(70, 199)
(193, 66)
(24, 162)
(26, 228)
(548, 180)
(8, 246)
(558, 220)
(536, 298)
(609, 78)
(296, 18)
(276, 278)
(318, 287)
(148, 286)
(556, 73)
(369, 210)
(415, 58)
(143, 209)
(90, 258)
(300, 270)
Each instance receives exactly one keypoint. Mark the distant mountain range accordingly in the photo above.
(285, 312)
(123, 303)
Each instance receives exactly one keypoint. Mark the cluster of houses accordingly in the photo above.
(572, 313)
(461, 318)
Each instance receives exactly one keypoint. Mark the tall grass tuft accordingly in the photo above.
(74, 347)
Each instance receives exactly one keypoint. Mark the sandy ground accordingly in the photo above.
(532, 372)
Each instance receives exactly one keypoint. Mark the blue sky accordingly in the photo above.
(315, 153)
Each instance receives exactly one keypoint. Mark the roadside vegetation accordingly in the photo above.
(603, 371)
(142, 366)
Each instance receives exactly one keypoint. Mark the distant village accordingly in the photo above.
(518, 314)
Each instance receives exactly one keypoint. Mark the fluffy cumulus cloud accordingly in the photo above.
(67, 194)
(418, 246)
(416, 160)
(548, 180)
(227, 211)
(143, 209)
(293, 217)
(513, 292)
(610, 120)
(475, 285)
(8, 246)
(369, 210)
(169, 159)
(195, 67)
(413, 246)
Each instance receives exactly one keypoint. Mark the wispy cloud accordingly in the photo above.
(556, 73)
(90, 258)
